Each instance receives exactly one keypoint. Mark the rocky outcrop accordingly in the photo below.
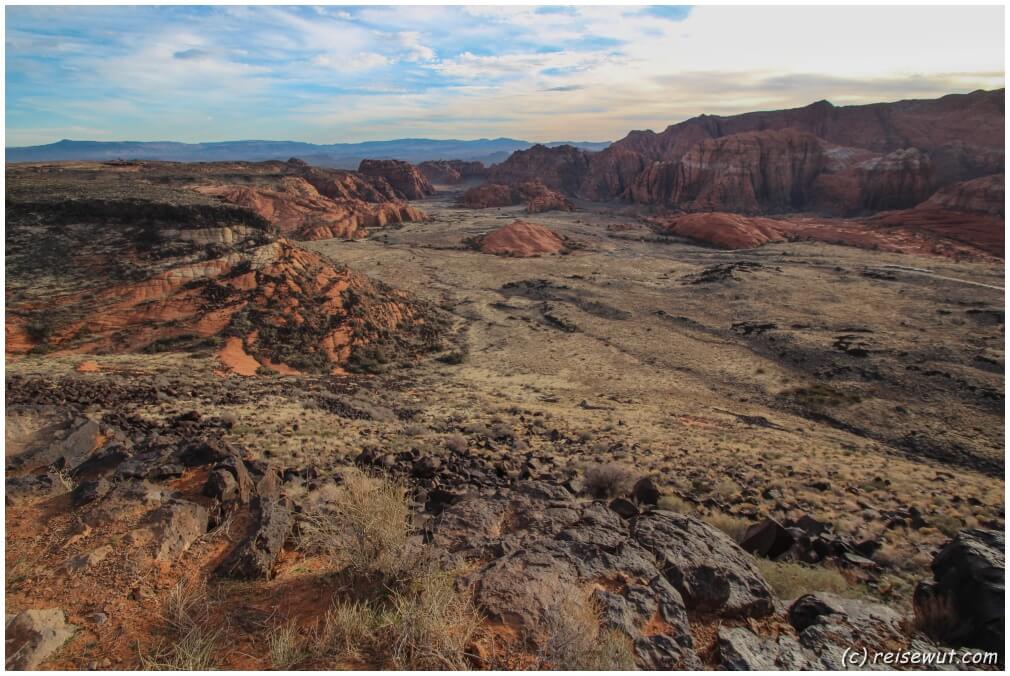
(403, 176)
(558, 551)
(822, 158)
(34, 635)
(943, 232)
(142, 281)
(451, 172)
(561, 168)
(273, 519)
(520, 239)
(301, 213)
(710, 571)
(725, 231)
(968, 213)
(487, 196)
(963, 132)
(984, 195)
(754, 172)
(964, 604)
(783, 171)
(537, 196)
(544, 199)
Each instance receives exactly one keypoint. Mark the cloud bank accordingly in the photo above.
(333, 74)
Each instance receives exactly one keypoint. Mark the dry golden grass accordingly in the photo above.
(571, 639)
(365, 527)
(431, 623)
(791, 580)
(733, 526)
(194, 644)
(348, 629)
(287, 646)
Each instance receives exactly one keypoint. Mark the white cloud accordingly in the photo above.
(416, 50)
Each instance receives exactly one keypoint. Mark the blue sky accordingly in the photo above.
(331, 74)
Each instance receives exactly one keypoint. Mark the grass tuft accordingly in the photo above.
(790, 580)
(366, 528)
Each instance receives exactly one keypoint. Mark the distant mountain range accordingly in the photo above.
(338, 155)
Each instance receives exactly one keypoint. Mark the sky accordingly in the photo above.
(346, 74)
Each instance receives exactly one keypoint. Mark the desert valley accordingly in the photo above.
(729, 395)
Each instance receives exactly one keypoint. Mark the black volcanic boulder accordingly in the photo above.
(970, 579)
(254, 558)
(710, 571)
(539, 549)
(768, 538)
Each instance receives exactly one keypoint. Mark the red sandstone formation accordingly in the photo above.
(488, 195)
(403, 176)
(561, 168)
(925, 231)
(538, 197)
(968, 213)
(548, 200)
(301, 213)
(451, 172)
(521, 239)
(148, 268)
(983, 195)
(726, 231)
(821, 158)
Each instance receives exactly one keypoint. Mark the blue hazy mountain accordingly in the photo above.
(340, 155)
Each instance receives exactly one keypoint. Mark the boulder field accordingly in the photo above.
(529, 544)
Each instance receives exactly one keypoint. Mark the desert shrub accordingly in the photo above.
(726, 488)
(456, 443)
(936, 617)
(431, 622)
(819, 398)
(946, 524)
(185, 605)
(733, 526)
(791, 580)
(607, 480)
(287, 648)
(414, 430)
(502, 431)
(39, 328)
(364, 528)
(571, 640)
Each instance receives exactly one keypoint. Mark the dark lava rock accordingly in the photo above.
(254, 558)
(90, 491)
(740, 649)
(768, 538)
(645, 492)
(709, 570)
(626, 509)
(969, 576)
